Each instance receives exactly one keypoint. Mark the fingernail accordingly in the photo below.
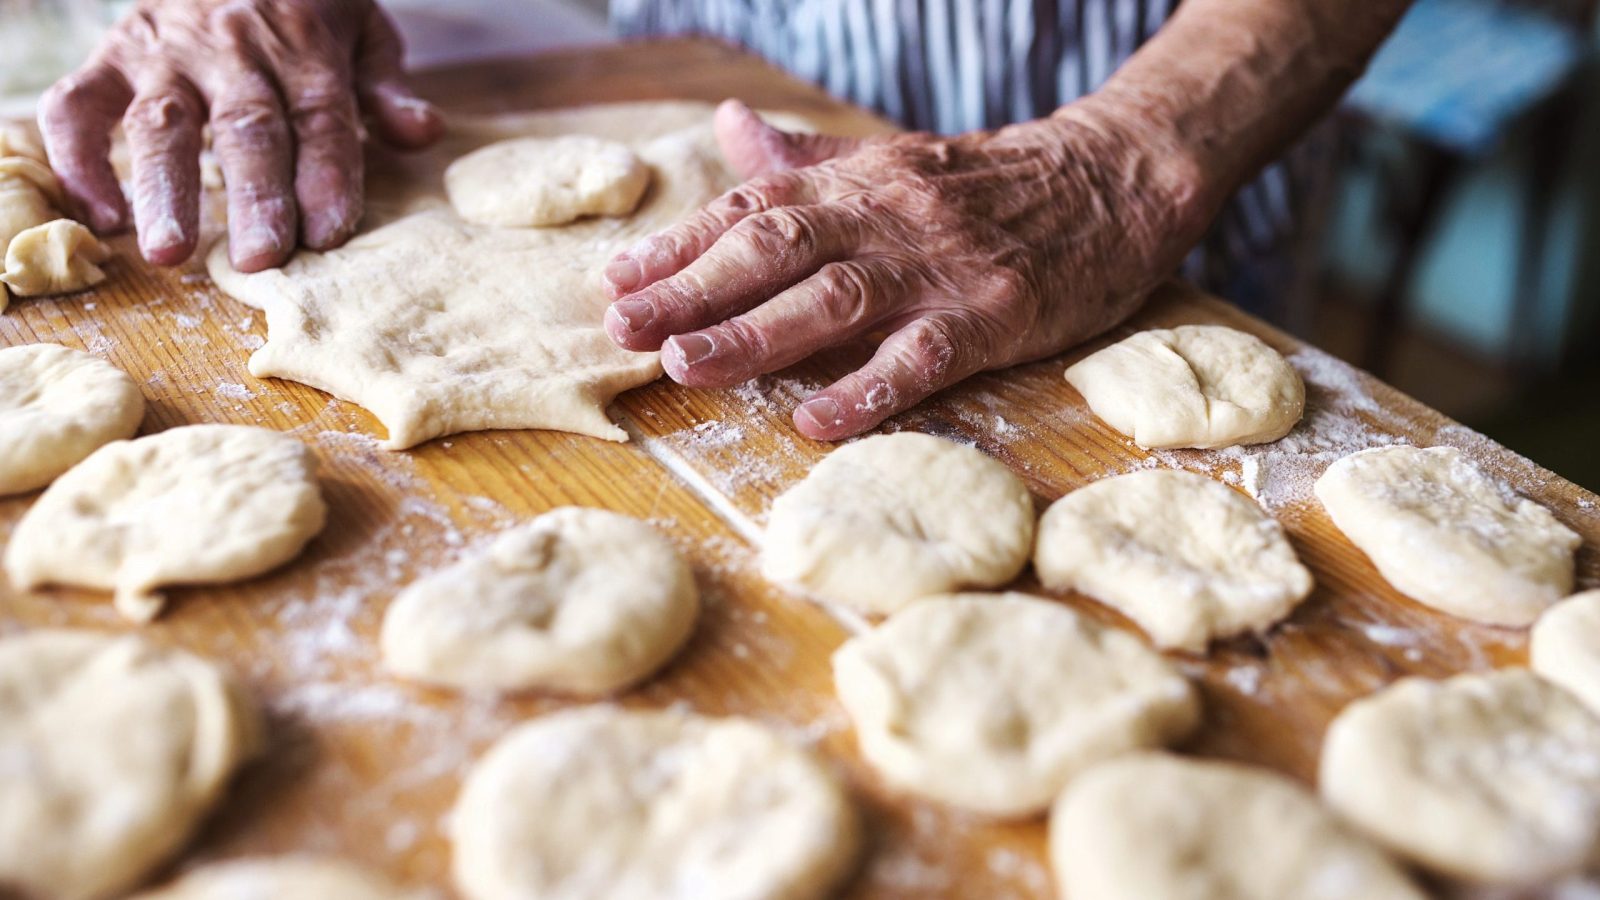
(821, 412)
(106, 218)
(635, 314)
(692, 348)
(163, 234)
(623, 275)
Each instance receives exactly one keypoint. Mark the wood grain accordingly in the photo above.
(366, 767)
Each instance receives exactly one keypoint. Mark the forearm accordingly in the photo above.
(1226, 86)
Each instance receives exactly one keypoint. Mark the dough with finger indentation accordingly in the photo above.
(546, 181)
(893, 517)
(582, 601)
(1201, 386)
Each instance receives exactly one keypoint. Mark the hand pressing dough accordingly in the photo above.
(56, 407)
(1486, 777)
(546, 181)
(1155, 827)
(1564, 646)
(582, 601)
(113, 749)
(994, 702)
(1184, 557)
(1202, 386)
(282, 878)
(57, 257)
(893, 517)
(437, 325)
(192, 505)
(1447, 535)
(600, 803)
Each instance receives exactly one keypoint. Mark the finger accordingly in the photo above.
(250, 137)
(76, 117)
(163, 127)
(328, 164)
(931, 353)
(752, 147)
(760, 256)
(666, 253)
(843, 300)
(403, 118)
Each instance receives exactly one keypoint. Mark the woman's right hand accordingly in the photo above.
(282, 84)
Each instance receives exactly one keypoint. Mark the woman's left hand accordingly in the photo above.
(973, 253)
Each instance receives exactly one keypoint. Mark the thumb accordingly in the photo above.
(752, 147)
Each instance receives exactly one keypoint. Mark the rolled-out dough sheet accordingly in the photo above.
(439, 326)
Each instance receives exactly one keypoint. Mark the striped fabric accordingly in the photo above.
(956, 65)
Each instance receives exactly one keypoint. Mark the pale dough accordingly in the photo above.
(604, 803)
(282, 878)
(437, 325)
(546, 181)
(1447, 535)
(58, 257)
(1487, 777)
(1186, 558)
(191, 505)
(57, 406)
(1564, 646)
(994, 702)
(1202, 386)
(890, 518)
(29, 196)
(581, 601)
(1157, 827)
(111, 751)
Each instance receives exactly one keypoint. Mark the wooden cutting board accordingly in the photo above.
(366, 767)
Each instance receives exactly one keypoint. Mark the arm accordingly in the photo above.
(990, 248)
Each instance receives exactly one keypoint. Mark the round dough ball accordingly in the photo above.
(893, 517)
(191, 505)
(993, 702)
(1152, 825)
(546, 181)
(1202, 386)
(1186, 558)
(1564, 646)
(1447, 535)
(578, 600)
(57, 406)
(113, 749)
(282, 878)
(1487, 777)
(601, 802)
(58, 257)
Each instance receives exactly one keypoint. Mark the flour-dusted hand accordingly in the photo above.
(282, 85)
(972, 253)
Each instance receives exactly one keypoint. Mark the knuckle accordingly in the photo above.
(936, 347)
(749, 337)
(777, 233)
(161, 112)
(846, 290)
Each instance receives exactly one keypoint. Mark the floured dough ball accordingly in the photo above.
(1486, 777)
(1151, 826)
(578, 600)
(601, 802)
(57, 406)
(1202, 386)
(282, 878)
(1447, 535)
(1564, 646)
(111, 751)
(54, 258)
(546, 181)
(192, 505)
(894, 517)
(1186, 558)
(992, 703)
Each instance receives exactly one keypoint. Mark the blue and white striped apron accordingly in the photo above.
(956, 65)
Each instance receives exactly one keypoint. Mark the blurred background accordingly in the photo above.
(1454, 249)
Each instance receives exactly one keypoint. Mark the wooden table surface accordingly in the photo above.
(366, 767)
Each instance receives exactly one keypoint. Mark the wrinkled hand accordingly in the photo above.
(280, 83)
(972, 253)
